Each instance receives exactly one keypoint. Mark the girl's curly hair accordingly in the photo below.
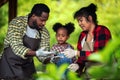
(69, 27)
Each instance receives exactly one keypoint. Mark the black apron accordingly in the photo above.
(14, 67)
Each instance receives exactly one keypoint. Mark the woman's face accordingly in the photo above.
(84, 23)
(61, 35)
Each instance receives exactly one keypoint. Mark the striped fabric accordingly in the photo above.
(16, 31)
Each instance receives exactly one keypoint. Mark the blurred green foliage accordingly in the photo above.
(56, 73)
(110, 60)
(62, 11)
(3, 24)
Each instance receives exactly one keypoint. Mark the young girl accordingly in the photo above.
(62, 35)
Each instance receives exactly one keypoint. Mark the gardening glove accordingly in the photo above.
(41, 52)
(73, 67)
(55, 59)
(70, 53)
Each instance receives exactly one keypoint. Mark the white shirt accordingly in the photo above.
(83, 41)
(31, 32)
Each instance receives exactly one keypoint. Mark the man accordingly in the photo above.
(25, 38)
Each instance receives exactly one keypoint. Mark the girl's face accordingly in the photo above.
(61, 35)
(84, 23)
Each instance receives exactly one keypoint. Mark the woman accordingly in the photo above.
(93, 37)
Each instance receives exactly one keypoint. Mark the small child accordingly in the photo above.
(62, 35)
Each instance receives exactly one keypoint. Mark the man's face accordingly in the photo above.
(40, 21)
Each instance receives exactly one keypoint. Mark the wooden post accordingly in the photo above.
(2, 2)
(12, 9)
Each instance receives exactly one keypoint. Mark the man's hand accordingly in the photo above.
(73, 67)
(70, 53)
(41, 52)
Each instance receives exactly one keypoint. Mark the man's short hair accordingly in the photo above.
(39, 8)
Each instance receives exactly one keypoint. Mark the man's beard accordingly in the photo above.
(34, 26)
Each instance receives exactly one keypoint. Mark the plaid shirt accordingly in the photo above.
(60, 48)
(101, 36)
(16, 31)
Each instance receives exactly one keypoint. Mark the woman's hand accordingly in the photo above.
(70, 53)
